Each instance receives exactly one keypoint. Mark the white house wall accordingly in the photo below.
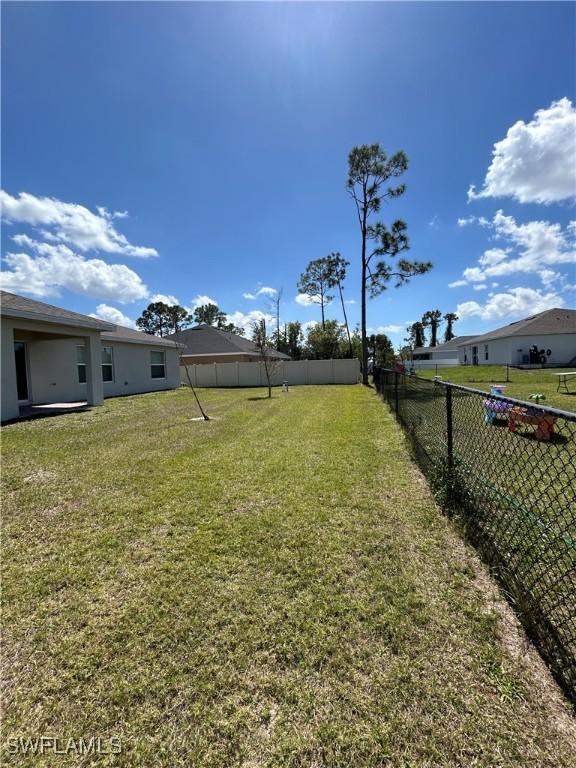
(444, 355)
(132, 369)
(511, 350)
(10, 408)
(29, 331)
(53, 370)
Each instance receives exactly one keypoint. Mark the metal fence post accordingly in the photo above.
(449, 432)
(396, 374)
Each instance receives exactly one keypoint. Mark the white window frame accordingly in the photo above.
(81, 365)
(108, 365)
(157, 365)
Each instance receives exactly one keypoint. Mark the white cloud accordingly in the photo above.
(495, 285)
(307, 301)
(481, 287)
(386, 329)
(474, 275)
(201, 301)
(457, 284)
(433, 223)
(517, 302)
(71, 224)
(264, 290)
(535, 162)
(548, 276)
(245, 320)
(493, 256)
(349, 301)
(530, 248)
(481, 220)
(112, 315)
(57, 266)
(164, 298)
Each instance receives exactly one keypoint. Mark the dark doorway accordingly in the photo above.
(21, 372)
(474, 355)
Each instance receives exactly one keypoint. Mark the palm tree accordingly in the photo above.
(451, 318)
(432, 318)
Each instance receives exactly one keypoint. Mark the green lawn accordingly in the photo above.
(521, 382)
(273, 588)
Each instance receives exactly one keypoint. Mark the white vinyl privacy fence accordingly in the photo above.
(295, 372)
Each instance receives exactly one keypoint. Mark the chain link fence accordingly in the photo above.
(508, 470)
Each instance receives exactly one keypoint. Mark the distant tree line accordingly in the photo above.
(160, 319)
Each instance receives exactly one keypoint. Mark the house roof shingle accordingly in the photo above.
(448, 346)
(121, 333)
(207, 340)
(546, 323)
(13, 305)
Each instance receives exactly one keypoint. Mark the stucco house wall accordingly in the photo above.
(33, 333)
(41, 362)
(8, 390)
(511, 350)
(54, 370)
(132, 372)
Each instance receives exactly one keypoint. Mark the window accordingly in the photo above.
(107, 364)
(81, 364)
(157, 365)
(485, 351)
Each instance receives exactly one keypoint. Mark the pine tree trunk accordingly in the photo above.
(363, 309)
(345, 318)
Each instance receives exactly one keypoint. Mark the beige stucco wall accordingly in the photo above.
(8, 372)
(32, 333)
(53, 371)
(132, 369)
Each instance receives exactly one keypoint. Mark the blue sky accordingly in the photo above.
(222, 131)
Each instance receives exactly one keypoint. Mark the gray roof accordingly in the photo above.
(121, 333)
(449, 346)
(547, 323)
(13, 305)
(207, 340)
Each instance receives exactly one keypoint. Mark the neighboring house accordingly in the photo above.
(548, 337)
(442, 354)
(52, 355)
(207, 344)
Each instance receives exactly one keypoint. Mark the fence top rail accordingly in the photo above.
(568, 415)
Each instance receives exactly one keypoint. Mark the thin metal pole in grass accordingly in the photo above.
(181, 362)
(449, 431)
(204, 415)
